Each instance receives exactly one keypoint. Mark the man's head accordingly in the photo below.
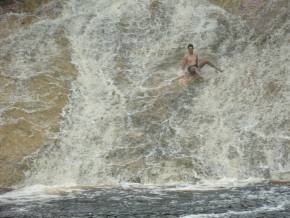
(190, 48)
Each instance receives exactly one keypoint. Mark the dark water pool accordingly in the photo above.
(258, 200)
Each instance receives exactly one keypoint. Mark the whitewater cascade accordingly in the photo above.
(128, 120)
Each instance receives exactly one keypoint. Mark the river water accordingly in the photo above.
(133, 200)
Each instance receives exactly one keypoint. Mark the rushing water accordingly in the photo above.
(129, 121)
(259, 200)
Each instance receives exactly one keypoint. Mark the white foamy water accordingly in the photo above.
(27, 194)
(126, 122)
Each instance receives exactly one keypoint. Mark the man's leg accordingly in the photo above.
(207, 62)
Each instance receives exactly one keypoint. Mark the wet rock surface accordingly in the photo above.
(35, 77)
(260, 15)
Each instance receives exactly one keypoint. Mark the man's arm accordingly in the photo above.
(184, 62)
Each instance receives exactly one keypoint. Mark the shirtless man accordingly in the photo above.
(193, 65)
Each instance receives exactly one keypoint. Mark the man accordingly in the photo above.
(193, 65)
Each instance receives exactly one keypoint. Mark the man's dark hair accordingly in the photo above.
(190, 46)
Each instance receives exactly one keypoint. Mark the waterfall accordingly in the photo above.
(127, 120)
